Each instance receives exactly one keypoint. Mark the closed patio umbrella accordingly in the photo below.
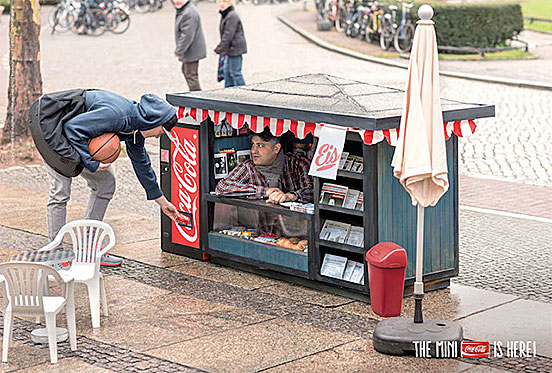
(420, 163)
(420, 159)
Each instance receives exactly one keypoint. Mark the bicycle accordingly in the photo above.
(344, 14)
(388, 27)
(358, 23)
(327, 10)
(404, 34)
(59, 17)
(117, 16)
(90, 20)
(373, 27)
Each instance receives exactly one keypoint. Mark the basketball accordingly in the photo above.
(105, 148)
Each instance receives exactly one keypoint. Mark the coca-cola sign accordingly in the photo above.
(475, 349)
(185, 184)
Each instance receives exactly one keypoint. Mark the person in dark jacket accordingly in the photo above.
(190, 42)
(232, 43)
(132, 122)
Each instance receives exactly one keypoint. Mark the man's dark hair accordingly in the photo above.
(171, 123)
(265, 136)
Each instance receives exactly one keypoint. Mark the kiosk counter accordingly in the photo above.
(323, 244)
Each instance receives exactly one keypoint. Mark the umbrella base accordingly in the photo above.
(396, 336)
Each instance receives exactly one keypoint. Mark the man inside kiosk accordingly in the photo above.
(270, 174)
(273, 175)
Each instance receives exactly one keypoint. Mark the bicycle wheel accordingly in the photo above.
(96, 23)
(120, 21)
(58, 19)
(403, 40)
(142, 6)
(342, 17)
(387, 34)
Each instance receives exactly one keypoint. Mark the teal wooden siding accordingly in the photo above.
(259, 251)
(397, 216)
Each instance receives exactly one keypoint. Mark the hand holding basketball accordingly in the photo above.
(105, 148)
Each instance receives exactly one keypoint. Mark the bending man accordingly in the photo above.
(132, 122)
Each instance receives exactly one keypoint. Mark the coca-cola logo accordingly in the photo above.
(185, 174)
(475, 349)
(327, 157)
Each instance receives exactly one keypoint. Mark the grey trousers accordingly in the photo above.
(189, 69)
(102, 188)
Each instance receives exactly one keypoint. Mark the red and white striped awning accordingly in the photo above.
(300, 129)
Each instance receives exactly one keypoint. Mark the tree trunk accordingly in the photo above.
(25, 81)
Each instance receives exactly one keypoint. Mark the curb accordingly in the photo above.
(323, 44)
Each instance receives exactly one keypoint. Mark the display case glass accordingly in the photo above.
(269, 236)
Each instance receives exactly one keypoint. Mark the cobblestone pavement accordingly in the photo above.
(492, 248)
(513, 146)
(507, 147)
(272, 307)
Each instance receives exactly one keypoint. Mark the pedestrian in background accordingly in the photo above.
(232, 43)
(190, 42)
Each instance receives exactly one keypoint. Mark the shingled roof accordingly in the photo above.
(321, 98)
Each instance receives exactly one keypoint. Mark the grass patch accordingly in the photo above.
(515, 54)
(538, 9)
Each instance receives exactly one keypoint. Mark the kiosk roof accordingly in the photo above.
(321, 98)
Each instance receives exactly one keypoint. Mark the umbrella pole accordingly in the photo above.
(419, 284)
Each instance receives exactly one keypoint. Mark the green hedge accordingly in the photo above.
(475, 25)
(6, 4)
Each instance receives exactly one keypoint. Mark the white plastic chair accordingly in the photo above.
(25, 284)
(4, 291)
(91, 239)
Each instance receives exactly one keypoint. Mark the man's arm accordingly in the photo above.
(142, 167)
(305, 192)
(239, 183)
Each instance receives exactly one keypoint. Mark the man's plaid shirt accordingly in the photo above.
(246, 181)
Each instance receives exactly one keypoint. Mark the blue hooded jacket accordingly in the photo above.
(109, 112)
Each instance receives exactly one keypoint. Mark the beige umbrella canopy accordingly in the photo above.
(420, 159)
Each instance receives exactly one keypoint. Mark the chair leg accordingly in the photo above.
(70, 314)
(8, 327)
(71, 326)
(52, 335)
(104, 296)
(94, 297)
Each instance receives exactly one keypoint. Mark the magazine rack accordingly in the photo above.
(297, 107)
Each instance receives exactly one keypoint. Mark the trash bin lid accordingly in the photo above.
(387, 255)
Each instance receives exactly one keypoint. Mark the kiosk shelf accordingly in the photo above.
(346, 284)
(350, 174)
(257, 205)
(343, 246)
(341, 210)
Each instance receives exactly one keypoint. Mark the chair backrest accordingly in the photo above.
(26, 284)
(90, 239)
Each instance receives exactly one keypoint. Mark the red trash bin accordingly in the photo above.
(386, 268)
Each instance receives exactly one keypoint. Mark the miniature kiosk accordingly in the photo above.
(326, 242)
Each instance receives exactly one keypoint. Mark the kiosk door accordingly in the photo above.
(180, 183)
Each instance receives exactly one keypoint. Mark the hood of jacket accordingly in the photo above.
(152, 111)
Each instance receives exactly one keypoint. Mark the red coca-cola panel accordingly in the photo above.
(475, 349)
(185, 184)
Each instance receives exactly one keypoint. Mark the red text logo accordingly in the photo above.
(185, 184)
(327, 157)
(475, 349)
